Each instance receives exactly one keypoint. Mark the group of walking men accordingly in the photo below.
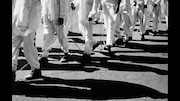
(56, 22)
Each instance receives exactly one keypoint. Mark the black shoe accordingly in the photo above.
(155, 33)
(35, 74)
(13, 76)
(86, 58)
(65, 57)
(143, 37)
(107, 47)
(120, 42)
(43, 61)
(130, 38)
(95, 46)
(146, 32)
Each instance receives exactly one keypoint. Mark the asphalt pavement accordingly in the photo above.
(137, 72)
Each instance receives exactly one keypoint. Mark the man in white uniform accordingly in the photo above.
(139, 11)
(159, 10)
(85, 27)
(164, 10)
(156, 11)
(109, 8)
(54, 18)
(24, 25)
(124, 19)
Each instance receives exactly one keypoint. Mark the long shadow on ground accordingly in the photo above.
(153, 48)
(136, 59)
(148, 48)
(76, 63)
(84, 89)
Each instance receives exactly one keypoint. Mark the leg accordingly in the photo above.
(146, 18)
(49, 37)
(93, 13)
(142, 24)
(126, 27)
(119, 23)
(61, 30)
(167, 12)
(135, 15)
(156, 18)
(84, 26)
(31, 54)
(16, 43)
(109, 21)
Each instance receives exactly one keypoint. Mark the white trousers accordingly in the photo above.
(85, 27)
(109, 7)
(156, 17)
(50, 29)
(139, 14)
(29, 19)
(30, 51)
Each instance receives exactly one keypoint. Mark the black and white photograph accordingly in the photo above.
(90, 50)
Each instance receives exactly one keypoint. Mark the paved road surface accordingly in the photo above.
(138, 72)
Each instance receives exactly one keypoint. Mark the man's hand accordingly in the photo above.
(60, 21)
(72, 6)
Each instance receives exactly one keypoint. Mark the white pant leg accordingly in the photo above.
(126, 25)
(16, 43)
(167, 12)
(49, 36)
(146, 18)
(49, 39)
(135, 17)
(30, 51)
(29, 14)
(94, 11)
(109, 20)
(84, 26)
(142, 22)
(156, 11)
(119, 22)
(61, 30)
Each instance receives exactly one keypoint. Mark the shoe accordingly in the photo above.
(13, 76)
(107, 47)
(130, 38)
(121, 41)
(35, 74)
(86, 58)
(155, 33)
(146, 33)
(95, 46)
(43, 61)
(65, 57)
(143, 37)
